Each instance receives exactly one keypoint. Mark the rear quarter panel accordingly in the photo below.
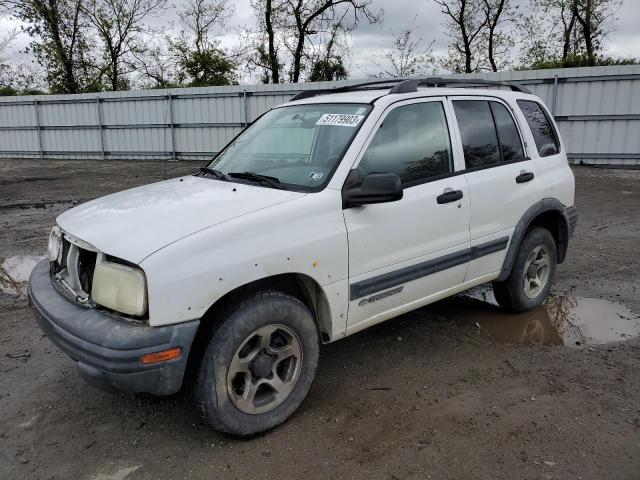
(554, 176)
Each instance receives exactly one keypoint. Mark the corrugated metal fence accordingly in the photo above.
(598, 111)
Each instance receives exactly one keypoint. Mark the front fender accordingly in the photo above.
(306, 236)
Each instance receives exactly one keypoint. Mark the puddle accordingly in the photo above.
(562, 320)
(15, 271)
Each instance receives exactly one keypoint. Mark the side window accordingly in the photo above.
(478, 132)
(508, 135)
(413, 142)
(543, 132)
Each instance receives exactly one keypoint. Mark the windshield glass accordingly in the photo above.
(298, 145)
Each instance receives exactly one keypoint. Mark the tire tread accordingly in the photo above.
(509, 293)
(227, 312)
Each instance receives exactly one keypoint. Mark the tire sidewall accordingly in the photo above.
(257, 311)
(534, 238)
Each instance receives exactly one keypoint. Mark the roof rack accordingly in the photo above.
(411, 85)
(346, 88)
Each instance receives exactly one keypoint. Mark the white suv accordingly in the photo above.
(329, 214)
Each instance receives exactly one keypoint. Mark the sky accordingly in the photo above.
(369, 41)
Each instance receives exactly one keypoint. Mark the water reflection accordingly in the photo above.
(15, 271)
(562, 320)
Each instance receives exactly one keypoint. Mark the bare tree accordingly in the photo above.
(6, 81)
(466, 20)
(298, 36)
(327, 62)
(307, 17)
(568, 15)
(203, 20)
(155, 62)
(571, 31)
(118, 24)
(497, 38)
(269, 18)
(406, 56)
(534, 47)
(17, 74)
(5, 44)
(595, 18)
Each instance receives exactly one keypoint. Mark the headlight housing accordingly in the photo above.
(55, 244)
(120, 288)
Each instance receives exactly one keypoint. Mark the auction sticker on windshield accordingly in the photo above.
(340, 120)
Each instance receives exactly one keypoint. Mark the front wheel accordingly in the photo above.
(259, 364)
(532, 274)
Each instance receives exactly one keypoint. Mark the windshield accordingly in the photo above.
(298, 145)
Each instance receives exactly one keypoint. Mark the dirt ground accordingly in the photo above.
(427, 395)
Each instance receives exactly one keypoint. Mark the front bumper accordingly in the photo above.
(108, 350)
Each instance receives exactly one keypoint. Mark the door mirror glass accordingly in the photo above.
(375, 188)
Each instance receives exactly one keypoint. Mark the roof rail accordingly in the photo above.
(347, 88)
(412, 85)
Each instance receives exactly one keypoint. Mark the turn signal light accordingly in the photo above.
(159, 357)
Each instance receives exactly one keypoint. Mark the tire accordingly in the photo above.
(513, 294)
(246, 346)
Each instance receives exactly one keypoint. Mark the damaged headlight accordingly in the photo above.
(120, 288)
(55, 244)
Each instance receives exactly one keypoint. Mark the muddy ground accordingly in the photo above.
(429, 395)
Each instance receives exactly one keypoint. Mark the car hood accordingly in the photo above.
(135, 223)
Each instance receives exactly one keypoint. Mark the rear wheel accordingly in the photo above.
(532, 274)
(259, 364)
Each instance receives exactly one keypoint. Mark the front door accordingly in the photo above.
(404, 252)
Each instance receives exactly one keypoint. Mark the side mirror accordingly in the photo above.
(375, 188)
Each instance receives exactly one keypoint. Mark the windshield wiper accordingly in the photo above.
(257, 177)
(212, 171)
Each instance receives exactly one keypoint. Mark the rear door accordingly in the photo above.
(501, 178)
(402, 252)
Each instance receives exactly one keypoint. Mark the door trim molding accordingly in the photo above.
(423, 269)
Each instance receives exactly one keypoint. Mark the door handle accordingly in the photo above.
(449, 196)
(524, 177)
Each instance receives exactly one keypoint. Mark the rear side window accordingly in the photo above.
(508, 135)
(412, 142)
(543, 132)
(479, 139)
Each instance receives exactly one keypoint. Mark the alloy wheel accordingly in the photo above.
(264, 369)
(536, 271)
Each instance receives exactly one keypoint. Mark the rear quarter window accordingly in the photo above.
(544, 134)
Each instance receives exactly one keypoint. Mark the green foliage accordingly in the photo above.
(579, 60)
(327, 70)
(206, 68)
(32, 91)
(7, 91)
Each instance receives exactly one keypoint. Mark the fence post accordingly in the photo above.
(246, 108)
(172, 126)
(39, 128)
(554, 95)
(101, 127)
